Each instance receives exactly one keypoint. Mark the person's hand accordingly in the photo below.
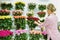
(36, 22)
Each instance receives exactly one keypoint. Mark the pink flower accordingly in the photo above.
(4, 33)
(18, 32)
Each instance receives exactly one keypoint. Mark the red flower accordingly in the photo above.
(33, 18)
(41, 12)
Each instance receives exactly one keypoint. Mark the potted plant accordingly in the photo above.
(4, 12)
(20, 22)
(19, 5)
(41, 8)
(30, 22)
(35, 35)
(21, 35)
(7, 6)
(29, 14)
(5, 22)
(5, 35)
(17, 13)
(31, 6)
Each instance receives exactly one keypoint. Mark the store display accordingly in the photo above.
(11, 15)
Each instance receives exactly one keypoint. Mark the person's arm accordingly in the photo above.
(45, 23)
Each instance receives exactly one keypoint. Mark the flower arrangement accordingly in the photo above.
(35, 35)
(42, 8)
(5, 35)
(41, 14)
(21, 35)
(30, 22)
(31, 6)
(19, 5)
(7, 6)
(20, 22)
(5, 22)
(4, 12)
(29, 14)
(17, 12)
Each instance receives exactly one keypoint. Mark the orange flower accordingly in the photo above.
(20, 17)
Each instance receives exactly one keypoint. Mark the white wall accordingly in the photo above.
(55, 2)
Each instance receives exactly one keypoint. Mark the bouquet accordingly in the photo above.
(30, 22)
(31, 6)
(35, 35)
(7, 6)
(29, 14)
(21, 35)
(20, 22)
(19, 5)
(42, 8)
(4, 12)
(5, 22)
(17, 13)
(5, 35)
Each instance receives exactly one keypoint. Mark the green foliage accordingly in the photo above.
(5, 23)
(19, 5)
(6, 6)
(35, 36)
(21, 37)
(20, 23)
(42, 7)
(31, 6)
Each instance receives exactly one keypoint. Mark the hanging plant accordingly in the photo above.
(7, 6)
(5, 22)
(4, 12)
(21, 35)
(19, 5)
(30, 22)
(20, 22)
(5, 35)
(17, 13)
(35, 35)
(31, 6)
(41, 8)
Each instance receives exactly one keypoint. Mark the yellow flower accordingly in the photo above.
(20, 2)
(23, 3)
(59, 27)
(3, 17)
